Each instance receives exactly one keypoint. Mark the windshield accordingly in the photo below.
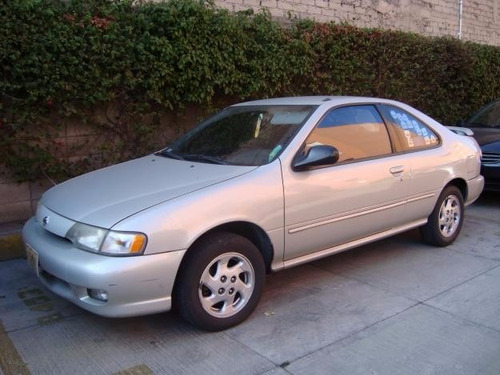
(488, 116)
(244, 135)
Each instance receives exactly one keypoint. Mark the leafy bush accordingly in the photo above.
(131, 76)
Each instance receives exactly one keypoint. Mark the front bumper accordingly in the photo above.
(490, 167)
(491, 175)
(136, 285)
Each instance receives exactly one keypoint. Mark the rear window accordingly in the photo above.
(408, 132)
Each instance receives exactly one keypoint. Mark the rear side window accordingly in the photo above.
(358, 132)
(408, 132)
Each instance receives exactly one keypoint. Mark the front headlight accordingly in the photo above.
(86, 237)
(123, 243)
(95, 239)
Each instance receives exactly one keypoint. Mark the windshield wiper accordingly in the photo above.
(170, 154)
(192, 157)
(202, 157)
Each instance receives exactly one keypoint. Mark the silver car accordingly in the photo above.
(259, 187)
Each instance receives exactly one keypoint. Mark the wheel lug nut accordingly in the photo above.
(221, 291)
(223, 279)
(231, 291)
(233, 279)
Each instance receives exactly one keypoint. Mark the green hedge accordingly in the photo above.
(63, 61)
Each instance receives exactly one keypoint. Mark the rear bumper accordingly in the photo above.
(135, 285)
(474, 189)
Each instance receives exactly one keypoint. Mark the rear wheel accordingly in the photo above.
(221, 282)
(445, 222)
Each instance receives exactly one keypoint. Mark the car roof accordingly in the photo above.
(316, 100)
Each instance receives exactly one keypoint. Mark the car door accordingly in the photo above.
(362, 194)
(421, 145)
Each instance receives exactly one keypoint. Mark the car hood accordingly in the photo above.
(107, 196)
(485, 136)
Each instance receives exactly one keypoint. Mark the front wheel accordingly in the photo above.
(445, 222)
(220, 282)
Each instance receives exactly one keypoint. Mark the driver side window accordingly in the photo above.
(358, 132)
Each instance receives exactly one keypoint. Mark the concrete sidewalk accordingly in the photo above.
(393, 307)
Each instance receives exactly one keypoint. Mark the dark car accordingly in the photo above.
(485, 124)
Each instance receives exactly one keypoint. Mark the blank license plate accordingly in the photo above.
(32, 257)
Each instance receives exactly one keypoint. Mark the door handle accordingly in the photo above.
(398, 170)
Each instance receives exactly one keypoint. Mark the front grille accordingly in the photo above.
(55, 235)
(490, 159)
(54, 280)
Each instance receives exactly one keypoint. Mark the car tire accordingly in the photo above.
(220, 282)
(444, 224)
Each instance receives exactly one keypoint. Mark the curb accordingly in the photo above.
(11, 247)
(11, 243)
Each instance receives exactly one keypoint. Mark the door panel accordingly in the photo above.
(330, 206)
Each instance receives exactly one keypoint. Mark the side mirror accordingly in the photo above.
(316, 156)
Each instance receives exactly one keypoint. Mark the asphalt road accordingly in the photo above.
(393, 307)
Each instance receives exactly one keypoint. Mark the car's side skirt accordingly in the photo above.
(349, 245)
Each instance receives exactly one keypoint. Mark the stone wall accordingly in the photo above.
(480, 18)
(18, 200)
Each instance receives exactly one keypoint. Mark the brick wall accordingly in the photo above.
(480, 21)
(18, 200)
